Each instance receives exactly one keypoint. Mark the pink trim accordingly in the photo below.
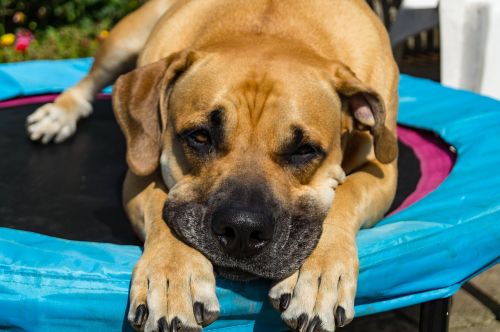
(38, 100)
(436, 162)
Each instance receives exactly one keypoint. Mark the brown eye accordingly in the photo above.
(304, 154)
(199, 140)
(305, 150)
(201, 137)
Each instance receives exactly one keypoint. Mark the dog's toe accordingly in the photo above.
(301, 308)
(320, 296)
(281, 292)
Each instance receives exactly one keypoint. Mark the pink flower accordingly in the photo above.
(23, 41)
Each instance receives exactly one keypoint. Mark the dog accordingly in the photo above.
(261, 135)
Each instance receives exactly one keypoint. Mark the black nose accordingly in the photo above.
(242, 233)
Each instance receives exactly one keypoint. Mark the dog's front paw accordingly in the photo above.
(320, 296)
(173, 289)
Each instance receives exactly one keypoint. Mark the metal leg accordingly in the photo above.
(434, 316)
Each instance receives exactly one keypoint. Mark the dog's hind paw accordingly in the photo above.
(53, 122)
(320, 296)
(172, 291)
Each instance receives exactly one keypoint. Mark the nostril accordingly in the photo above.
(258, 240)
(229, 233)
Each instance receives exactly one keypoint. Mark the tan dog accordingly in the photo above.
(250, 116)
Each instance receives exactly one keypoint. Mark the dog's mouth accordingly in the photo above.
(234, 274)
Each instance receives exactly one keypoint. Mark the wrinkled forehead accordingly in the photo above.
(270, 97)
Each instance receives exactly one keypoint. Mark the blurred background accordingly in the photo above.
(55, 29)
(455, 42)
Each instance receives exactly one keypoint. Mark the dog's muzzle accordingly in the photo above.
(245, 231)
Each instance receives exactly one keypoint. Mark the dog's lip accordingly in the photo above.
(235, 273)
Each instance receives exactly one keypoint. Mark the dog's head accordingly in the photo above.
(250, 147)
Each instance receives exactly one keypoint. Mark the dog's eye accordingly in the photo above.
(200, 137)
(199, 140)
(305, 150)
(303, 154)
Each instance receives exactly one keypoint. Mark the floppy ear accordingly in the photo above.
(137, 96)
(368, 110)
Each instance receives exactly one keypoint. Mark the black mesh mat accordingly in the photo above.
(73, 190)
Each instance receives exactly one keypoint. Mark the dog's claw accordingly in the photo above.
(204, 317)
(210, 316)
(162, 325)
(285, 301)
(198, 312)
(302, 322)
(340, 317)
(314, 325)
(175, 325)
(141, 314)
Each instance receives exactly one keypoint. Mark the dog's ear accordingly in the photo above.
(137, 97)
(368, 110)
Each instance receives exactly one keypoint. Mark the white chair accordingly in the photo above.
(470, 45)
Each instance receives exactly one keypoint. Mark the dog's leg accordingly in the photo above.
(173, 285)
(320, 296)
(57, 121)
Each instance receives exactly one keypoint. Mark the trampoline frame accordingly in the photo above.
(435, 315)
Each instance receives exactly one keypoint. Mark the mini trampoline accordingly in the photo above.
(67, 250)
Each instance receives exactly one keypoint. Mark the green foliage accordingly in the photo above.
(65, 42)
(57, 13)
(62, 28)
